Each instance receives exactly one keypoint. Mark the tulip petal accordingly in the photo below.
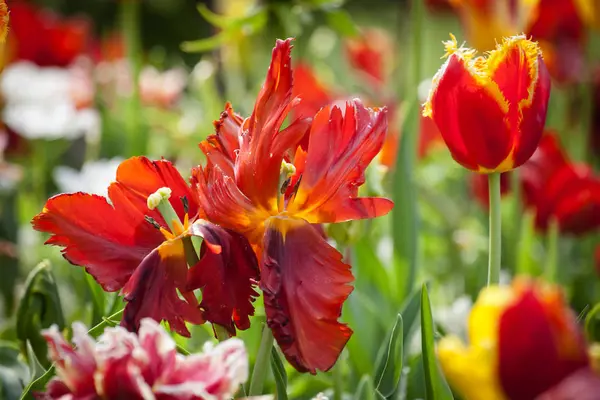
(312, 94)
(539, 345)
(341, 146)
(139, 177)
(533, 116)
(226, 277)
(152, 291)
(263, 144)
(109, 241)
(304, 283)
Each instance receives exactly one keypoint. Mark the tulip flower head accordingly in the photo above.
(145, 366)
(523, 341)
(491, 110)
(131, 245)
(260, 181)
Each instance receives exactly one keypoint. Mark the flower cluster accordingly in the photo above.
(145, 366)
(256, 204)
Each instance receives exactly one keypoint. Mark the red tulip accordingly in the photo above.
(491, 111)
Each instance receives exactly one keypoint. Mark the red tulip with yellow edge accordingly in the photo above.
(524, 343)
(491, 110)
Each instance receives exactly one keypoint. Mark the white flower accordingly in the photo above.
(42, 103)
(94, 177)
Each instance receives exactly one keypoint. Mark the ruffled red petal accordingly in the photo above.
(226, 273)
(263, 144)
(225, 204)
(109, 241)
(539, 346)
(342, 144)
(304, 283)
(152, 291)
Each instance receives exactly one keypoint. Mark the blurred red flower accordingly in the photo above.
(259, 181)
(44, 38)
(524, 342)
(120, 245)
(558, 25)
(557, 188)
(553, 187)
(491, 111)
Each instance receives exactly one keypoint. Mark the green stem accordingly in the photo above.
(551, 269)
(259, 373)
(220, 332)
(495, 230)
(338, 379)
(130, 25)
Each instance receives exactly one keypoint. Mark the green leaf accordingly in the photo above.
(410, 311)
(39, 308)
(366, 391)
(436, 387)
(279, 374)
(405, 213)
(389, 361)
(13, 373)
(98, 299)
(38, 385)
(35, 368)
(592, 324)
(341, 22)
(202, 45)
(216, 20)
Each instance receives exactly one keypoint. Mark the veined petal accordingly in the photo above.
(341, 146)
(226, 273)
(263, 143)
(305, 284)
(539, 343)
(152, 291)
(109, 241)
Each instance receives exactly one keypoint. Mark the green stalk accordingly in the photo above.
(262, 364)
(130, 26)
(551, 269)
(338, 379)
(405, 216)
(495, 230)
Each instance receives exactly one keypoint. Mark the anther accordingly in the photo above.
(186, 204)
(152, 221)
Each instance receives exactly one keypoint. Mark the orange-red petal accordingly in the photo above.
(312, 94)
(341, 146)
(109, 241)
(304, 283)
(264, 143)
(139, 177)
(152, 291)
(226, 277)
